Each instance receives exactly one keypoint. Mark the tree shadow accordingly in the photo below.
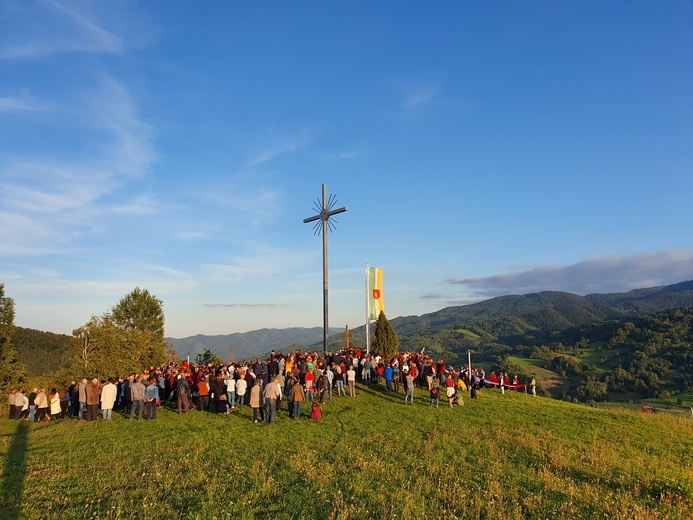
(15, 469)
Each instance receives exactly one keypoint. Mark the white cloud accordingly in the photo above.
(43, 202)
(18, 104)
(51, 27)
(278, 146)
(594, 275)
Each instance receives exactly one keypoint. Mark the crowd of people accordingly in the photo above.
(296, 378)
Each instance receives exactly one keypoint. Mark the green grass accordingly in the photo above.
(370, 457)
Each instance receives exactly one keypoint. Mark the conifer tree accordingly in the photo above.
(385, 341)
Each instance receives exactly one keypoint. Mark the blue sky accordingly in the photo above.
(482, 148)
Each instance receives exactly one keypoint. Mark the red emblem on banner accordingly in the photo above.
(376, 294)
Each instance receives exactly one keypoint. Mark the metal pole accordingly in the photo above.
(325, 321)
(326, 211)
(368, 311)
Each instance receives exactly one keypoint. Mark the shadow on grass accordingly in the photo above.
(13, 474)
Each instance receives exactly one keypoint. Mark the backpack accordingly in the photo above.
(434, 392)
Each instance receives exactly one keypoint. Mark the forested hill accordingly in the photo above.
(508, 316)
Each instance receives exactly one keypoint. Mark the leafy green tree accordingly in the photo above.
(591, 388)
(140, 310)
(11, 370)
(101, 349)
(126, 340)
(385, 341)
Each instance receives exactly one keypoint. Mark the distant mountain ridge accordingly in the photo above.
(506, 317)
(552, 310)
(247, 345)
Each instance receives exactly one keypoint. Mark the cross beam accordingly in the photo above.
(346, 335)
(324, 215)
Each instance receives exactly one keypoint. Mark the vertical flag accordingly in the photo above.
(376, 304)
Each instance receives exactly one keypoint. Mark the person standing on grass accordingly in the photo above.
(32, 404)
(322, 388)
(474, 389)
(409, 390)
(137, 392)
(388, 378)
(108, 398)
(151, 396)
(231, 391)
(241, 388)
(218, 389)
(339, 378)
(296, 397)
(533, 387)
(310, 385)
(256, 400)
(249, 383)
(395, 375)
(351, 381)
(289, 382)
(126, 395)
(450, 388)
(203, 397)
(271, 393)
(64, 401)
(82, 389)
(183, 393)
(54, 403)
(330, 379)
(93, 391)
(41, 405)
(435, 394)
(20, 401)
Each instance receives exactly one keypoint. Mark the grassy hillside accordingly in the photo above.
(371, 456)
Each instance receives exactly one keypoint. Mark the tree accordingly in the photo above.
(208, 357)
(11, 370)
(385, 341)
(141, 311)
(126, 340)
(141, 315)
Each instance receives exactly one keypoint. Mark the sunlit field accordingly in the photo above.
(372, 456)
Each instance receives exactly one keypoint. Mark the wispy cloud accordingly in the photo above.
(18, 104)
(594, 275)
(57, 28)
(48, 199)
(277, 146)
(356, 153)
(249, 305)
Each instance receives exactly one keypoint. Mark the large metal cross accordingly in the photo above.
(325, 212)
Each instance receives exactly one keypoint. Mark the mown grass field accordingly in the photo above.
(503, 456)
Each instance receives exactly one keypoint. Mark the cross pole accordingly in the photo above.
(323, 216)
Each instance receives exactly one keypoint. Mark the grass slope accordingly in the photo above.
(503, 456)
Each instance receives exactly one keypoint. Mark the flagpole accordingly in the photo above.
(368, 313)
